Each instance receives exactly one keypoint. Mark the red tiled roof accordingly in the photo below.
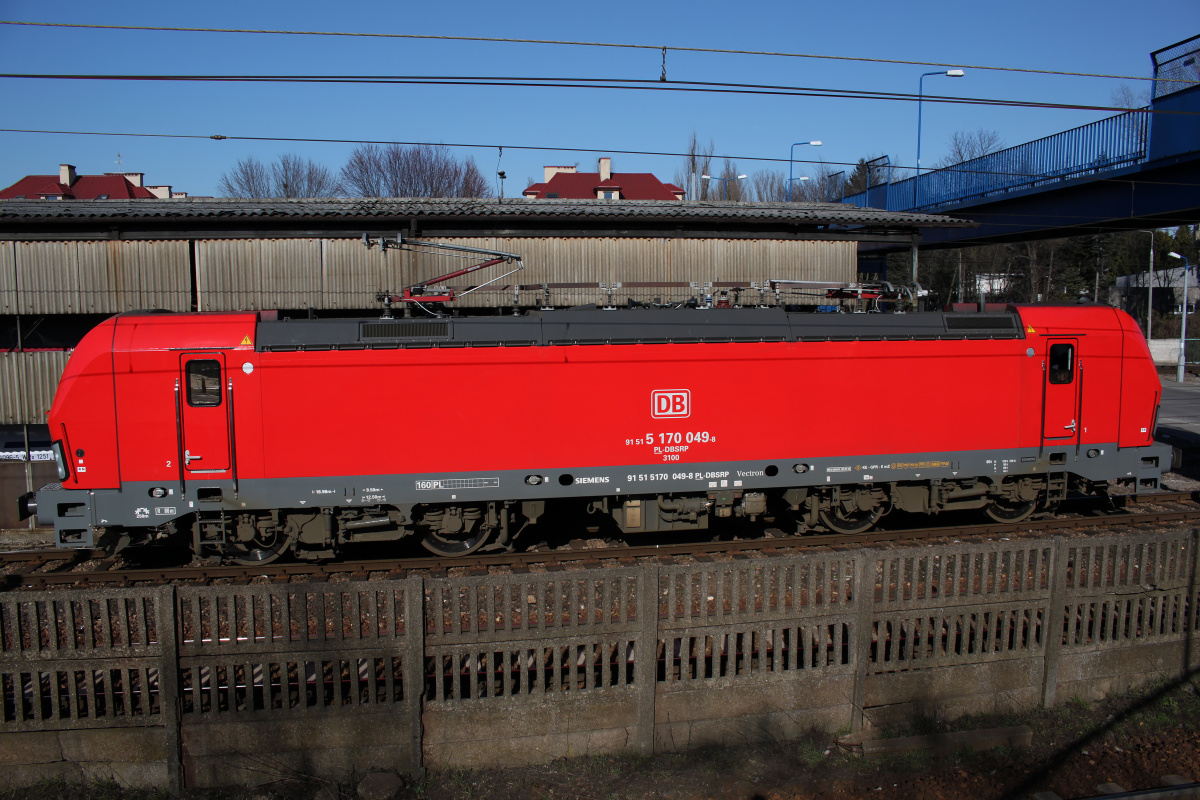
(86, 187)
(583, 186)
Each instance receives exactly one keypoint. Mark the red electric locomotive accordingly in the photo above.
(255, 436)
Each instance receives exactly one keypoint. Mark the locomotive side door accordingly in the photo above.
(1061, 378)
(204, 413)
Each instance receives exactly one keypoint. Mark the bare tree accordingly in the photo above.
(731, 186)
(395, 170)
(289, 175)
(966, 145)
(472, 183)
(696, 162)
(294, 176)
(823, 187)
(1128, 98)
(248, 178)
(768, 186)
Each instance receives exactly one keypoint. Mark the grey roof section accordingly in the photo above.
(516, 209)
(589, 325)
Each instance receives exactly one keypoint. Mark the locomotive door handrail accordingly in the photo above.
(179, 436)
(232, 442)
(1079, 429)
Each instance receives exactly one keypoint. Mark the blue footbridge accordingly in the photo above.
(1139, 169)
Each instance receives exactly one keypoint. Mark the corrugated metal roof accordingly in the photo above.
(560, 211)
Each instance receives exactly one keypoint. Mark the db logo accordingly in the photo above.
(670, 403)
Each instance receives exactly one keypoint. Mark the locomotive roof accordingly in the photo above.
(591, 325)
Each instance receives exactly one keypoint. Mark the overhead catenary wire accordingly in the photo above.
(569, 43)
(627, 84)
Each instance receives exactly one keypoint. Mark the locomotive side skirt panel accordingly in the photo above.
(135, 507)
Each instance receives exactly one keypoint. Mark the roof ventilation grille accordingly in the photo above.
(405, 330)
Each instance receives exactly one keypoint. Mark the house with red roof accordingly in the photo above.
(567, 183)
(68, 185)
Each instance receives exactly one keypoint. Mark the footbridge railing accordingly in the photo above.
(1107, 144)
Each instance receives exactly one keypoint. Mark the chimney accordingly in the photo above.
(136, 178)
(66, 174)
(605, 169)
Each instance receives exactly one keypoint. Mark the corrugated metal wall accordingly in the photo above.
(27, 384)
(251, 274)
(98, 277)
(342, 273)
(8, 278)
(626, 260)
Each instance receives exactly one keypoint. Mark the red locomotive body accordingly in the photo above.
(256, 436)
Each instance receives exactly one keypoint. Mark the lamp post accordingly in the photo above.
(723, 181)
(789, 185)
(1187, 265)
(950, 73)
(791, 158)
(1150, 289)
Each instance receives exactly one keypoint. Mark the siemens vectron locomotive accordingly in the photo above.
(251, 436)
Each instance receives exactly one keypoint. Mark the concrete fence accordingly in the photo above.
(209, 686)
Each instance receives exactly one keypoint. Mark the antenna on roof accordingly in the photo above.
(118, 161)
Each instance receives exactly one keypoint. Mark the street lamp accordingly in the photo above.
(1150, 290)
(950, 73)
(1187, 265)
(791, 157)
(789, 185)
(723, 181)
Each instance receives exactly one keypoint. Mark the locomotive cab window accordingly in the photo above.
(204, 383)
(1062, 363)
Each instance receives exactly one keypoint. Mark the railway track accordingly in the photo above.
(49, 567)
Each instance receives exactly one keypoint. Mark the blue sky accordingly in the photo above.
(1101, 36)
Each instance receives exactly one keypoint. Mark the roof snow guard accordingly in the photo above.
(18, 218)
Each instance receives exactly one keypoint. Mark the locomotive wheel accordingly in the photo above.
(838, 520)
(262, 549)
(462, 544)
(1007, 510)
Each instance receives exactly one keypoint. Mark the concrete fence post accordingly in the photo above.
(414, 668)
(1191, 647)
(863, 604)
(645, 664)
(167, 625)
(1055, 620)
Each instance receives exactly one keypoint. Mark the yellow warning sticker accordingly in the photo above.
(246, 339)
(1028, 329)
